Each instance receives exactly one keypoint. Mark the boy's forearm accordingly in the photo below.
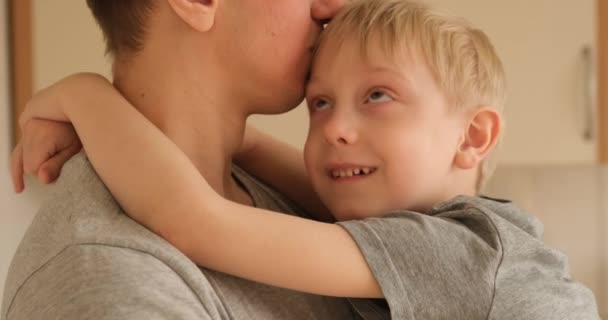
(282, 166)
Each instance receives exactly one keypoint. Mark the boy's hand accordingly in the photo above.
(44, 148)
(47, 145)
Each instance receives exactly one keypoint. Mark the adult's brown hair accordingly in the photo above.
(123, 23)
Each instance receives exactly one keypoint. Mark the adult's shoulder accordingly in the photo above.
(79, 210)
(81, 213)
(108, 282)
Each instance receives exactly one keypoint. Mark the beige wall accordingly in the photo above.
(66, 40)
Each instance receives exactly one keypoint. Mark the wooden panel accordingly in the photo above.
(21, 58)
(603, 80)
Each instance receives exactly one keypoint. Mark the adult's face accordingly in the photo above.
(268, 45)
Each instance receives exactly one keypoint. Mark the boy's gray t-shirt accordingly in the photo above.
(83, 258)
(470, 258)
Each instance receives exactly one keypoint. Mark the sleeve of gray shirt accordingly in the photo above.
(104, 282)
(429, 268)
(470, 258)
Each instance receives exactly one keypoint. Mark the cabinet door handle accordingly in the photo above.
(590, 93)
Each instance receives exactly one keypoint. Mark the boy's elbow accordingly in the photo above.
(179, 238)
(171, 235)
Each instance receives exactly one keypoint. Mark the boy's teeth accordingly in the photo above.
(351, 172)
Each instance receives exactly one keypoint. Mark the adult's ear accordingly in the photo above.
(480, 136)
(198, 14)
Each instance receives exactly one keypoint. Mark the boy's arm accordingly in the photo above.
(282, 166)
(159, 187)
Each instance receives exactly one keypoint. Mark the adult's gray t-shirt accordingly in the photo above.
(470, 258)
(83, 258)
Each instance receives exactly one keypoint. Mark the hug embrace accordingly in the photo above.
(176, 209)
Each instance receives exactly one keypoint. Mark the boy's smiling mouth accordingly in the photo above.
(349, 172)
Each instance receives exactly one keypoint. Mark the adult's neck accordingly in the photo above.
(195, 111)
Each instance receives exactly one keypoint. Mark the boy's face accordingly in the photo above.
(381, 136)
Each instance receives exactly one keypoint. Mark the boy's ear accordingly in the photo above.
(198, 14)
(480, 136)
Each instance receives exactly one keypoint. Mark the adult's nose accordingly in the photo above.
(325, 10)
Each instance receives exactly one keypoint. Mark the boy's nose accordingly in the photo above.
(339, 131)
(325, 10)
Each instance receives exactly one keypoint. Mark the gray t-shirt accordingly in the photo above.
(83, 258)
(470, 258)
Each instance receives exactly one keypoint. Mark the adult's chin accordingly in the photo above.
(286, 99)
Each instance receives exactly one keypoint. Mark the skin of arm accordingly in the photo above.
(282, 166)
(159, 187)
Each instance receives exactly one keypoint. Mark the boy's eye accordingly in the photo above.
(378, 96)
(320, 104)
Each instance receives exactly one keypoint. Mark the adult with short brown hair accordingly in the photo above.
(197, 70)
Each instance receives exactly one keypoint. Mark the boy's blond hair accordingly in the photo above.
(461, 57)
